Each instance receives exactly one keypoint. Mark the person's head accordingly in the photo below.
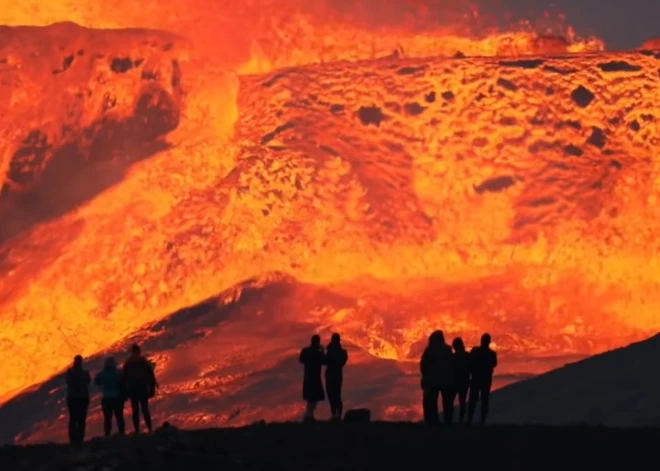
(136, 350)
(110, 363)
(316, 340)
(458, 345)
(485, 340)
(77, 361)
(335, 339)
(437, 338)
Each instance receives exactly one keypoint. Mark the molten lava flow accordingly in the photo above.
(510, 194)
(263, 35)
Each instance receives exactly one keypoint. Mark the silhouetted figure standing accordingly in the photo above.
(437, 371)
(77, 399)
(140, 382)
(483, 361)
(313, 359)
(336, 358)
(461, 376)
(113, 396)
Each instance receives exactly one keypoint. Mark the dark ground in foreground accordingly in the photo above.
(319, 447)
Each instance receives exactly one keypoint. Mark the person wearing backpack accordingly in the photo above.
(113, 396)
(140, 382)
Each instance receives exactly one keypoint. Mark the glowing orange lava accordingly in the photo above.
(513, 190)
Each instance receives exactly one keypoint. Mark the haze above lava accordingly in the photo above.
(511, 194)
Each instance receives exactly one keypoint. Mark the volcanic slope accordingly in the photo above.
(232, 360)
(617, 388)
(530, 182)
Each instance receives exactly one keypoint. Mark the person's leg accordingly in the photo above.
(334, 396)
(135, 410)
(472, 402)
(76, 412)
(430, 405)
(84, 407)
(331, 397)
(72, 419)
(309, 411)
(108, 409)
(144, 404)
(462, 402)
(340, 402)
(485, 402)
(447, 406)
(118, 410)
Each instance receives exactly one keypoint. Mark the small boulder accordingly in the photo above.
(357, 416)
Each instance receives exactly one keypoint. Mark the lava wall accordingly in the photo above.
(74, 98)
(517, 196)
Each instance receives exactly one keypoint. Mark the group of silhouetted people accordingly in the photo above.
(134, 382)
(334, 358)
(447, 373)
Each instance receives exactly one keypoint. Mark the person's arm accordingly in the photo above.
(67, 377)
(344, 359)
(423, 362)
(152, 374)
(472, 360)
(301, 358)
(494, 360)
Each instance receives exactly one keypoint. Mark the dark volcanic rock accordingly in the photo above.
(347, 447)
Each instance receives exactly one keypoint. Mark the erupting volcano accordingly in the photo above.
(247, 173)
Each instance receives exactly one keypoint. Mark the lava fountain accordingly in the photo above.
(297, 169)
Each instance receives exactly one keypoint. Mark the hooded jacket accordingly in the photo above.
(138, 374)
(110, 380)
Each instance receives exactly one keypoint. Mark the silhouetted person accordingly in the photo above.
(140, 383)
(483, 361)
(335, 358)
(113, 396)
(461, 376)
(437, 371)
(77, 399)
(313, 359)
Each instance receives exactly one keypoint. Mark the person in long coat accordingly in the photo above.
(436, 367)
(312, 358)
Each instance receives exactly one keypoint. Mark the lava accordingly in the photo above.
(416, 176)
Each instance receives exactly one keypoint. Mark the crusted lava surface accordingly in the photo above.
(345, 446)
(508, 194)
(79, 105)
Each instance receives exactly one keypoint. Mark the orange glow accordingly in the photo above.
(471, 194)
